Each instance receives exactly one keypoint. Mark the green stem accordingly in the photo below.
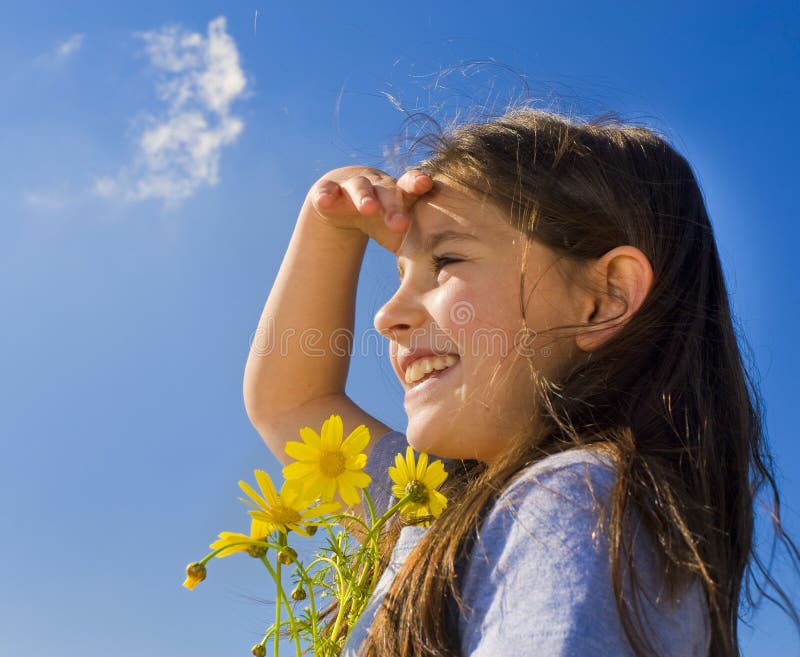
(370, 541)
(342, 590)
(309, 584)
(370, 536)
(279, 587)
(370, 506)
(392, 510)
(213, 554)
(276, 573)
(381, 521)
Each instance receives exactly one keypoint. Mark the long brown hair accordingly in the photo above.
(669, 393)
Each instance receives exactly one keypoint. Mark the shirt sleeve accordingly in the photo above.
(538, 581)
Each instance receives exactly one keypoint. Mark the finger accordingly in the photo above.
(326, 193)
(362, 194)
(415, 182)
(393, 208)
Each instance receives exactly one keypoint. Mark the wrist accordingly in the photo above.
(311, 220)
(327, 238)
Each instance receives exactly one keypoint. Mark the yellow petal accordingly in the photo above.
(422, 465)
(412, 468)
(399, 491)
(267, 487)
(414, 511)
(438, 503)
(402, 469)
(328, 489)
(356, 462)
(191, 582)
(314, 485)
(262, 517)
(299, 470)
(260, 501)
(259, 529)
(292, 495)
(310, 438)
(435, 476)
(301, 451)
(394, 475)
(227, 537)
(356, 441)
(332, 431)
(360, 479)
(349, 493)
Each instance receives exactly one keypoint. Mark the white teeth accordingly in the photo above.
(419, 368)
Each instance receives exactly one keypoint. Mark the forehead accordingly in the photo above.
(448, 209)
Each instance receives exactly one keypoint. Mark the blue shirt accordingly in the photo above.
(538, 581)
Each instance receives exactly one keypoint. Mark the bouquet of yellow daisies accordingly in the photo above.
(345, 567)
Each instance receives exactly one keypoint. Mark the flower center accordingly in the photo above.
(417, 491)
(332, 464)
(284, 515)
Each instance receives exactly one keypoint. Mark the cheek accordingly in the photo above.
(483, 323)
(452, 312)
(393, 360)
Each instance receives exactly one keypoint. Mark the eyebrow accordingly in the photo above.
(435, 239)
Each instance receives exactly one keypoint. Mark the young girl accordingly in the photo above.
(563, 334)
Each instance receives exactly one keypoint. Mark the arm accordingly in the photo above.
(288, 382)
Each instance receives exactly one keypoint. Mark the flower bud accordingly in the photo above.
(287, 555)
(311, 529)
(195, 573)
(259, 650)
(298, 593)
(256, 551)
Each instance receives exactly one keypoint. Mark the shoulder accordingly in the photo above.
(539, 569)
(554, 493)
(558, 502)
(577, 474)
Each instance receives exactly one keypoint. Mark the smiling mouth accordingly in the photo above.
(424, 368)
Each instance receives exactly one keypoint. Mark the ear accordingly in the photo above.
(618, 284)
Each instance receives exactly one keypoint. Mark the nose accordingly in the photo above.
(400, 315)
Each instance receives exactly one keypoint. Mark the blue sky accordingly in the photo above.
(153, 157)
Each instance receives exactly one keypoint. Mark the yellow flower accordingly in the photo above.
(259, 531)
(287, 510)
(195, 573)
(420, 480)
(325, 463)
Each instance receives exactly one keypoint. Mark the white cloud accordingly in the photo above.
(71, 45)
(61, 52)
(199, 78)
(46, 200)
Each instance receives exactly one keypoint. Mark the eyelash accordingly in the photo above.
(439, 262)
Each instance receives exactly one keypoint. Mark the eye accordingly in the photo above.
(438, 262)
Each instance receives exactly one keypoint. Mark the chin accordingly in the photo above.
(423, 438)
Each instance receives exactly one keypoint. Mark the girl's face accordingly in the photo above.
(459, 343)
